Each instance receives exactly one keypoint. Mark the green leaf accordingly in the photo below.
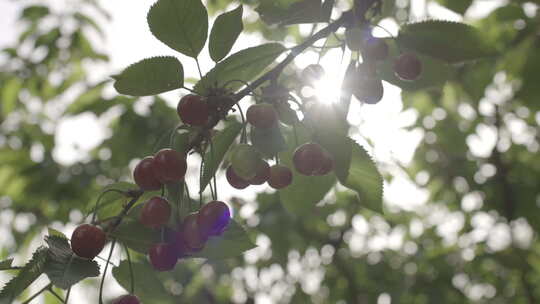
(35, 12)
(150, 76)
(439, 39)
(56, 233)
(243, 65)
(434, 72)
(225, 31)
(221, 143)
(10, 95)
(148, 285)
(232, 243)
(292, 11)
(458, 6)
(305, 191)
(6, 264)
(26, 276)
(136, 236)
(182, 25)
(63, 267)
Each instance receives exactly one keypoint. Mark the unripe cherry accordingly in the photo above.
(193, 110)
(127, 299)
(235, 180)
(191, 233)
(169, 165)
(87, 241)
(156, 212)
(213, 218)
(262, 115)
(408, 67)
(280, 177)
(308, 158)
(262, 175)
(145, 176)
(162, 256)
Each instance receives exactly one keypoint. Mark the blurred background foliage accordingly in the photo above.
(470, 235)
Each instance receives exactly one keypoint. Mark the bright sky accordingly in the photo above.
(129, 40)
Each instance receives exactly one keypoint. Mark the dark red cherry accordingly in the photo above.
(156, 212)
(213, 218)
(308, 158)
(127, 299)
(145, 176)
(87, 241)
(193, 110)
(408, 67)
(280, 177)
(262, 115)
(263, 174)
(327, 165)
(235, 180)
(170, 165)
(192, 234)
(163, 256)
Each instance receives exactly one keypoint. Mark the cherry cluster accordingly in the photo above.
(367, 85)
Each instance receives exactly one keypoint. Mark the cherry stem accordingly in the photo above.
(243, 137)
(214, 196)
(131, 274)
(105, 273)
(199, 67)
(67, 295)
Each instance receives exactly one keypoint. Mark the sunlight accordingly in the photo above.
(327, 89)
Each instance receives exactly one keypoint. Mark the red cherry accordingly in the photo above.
(408, 67)
(235, 180)
(192, 234)
(213, 218)
(262, 115)
(87, 241)
(155, 212)
(193, 110)
(327, 165)
(169, 165)
(127, 299)
(280, 177)
(162, 256)
(308, 158)
(263, 174)
(144, 175)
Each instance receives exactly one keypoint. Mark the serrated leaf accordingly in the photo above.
(243, 65)
(434, 72)
(63, 267)
(305, 191)
(148, 285)
(26, 276)
(225, 31)
(452, 42)
(221, 143)
(150, 76)
(180, 24)
(232, 243)
(136, 236)
(6, 264)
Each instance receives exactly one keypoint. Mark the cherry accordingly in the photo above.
(280, 177)
(408, 67)
(262, 175)
(169, 165)
(312, 73)
(369, 87)
(374, 48)
(163, 256)
(327, 165)
(308, 158)
(144, 175)
(213, 218)
(87, 241)
(193, 110)
(235, 180)
(192, 234)
(262, 115)
(155, 212)
(127, 299)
